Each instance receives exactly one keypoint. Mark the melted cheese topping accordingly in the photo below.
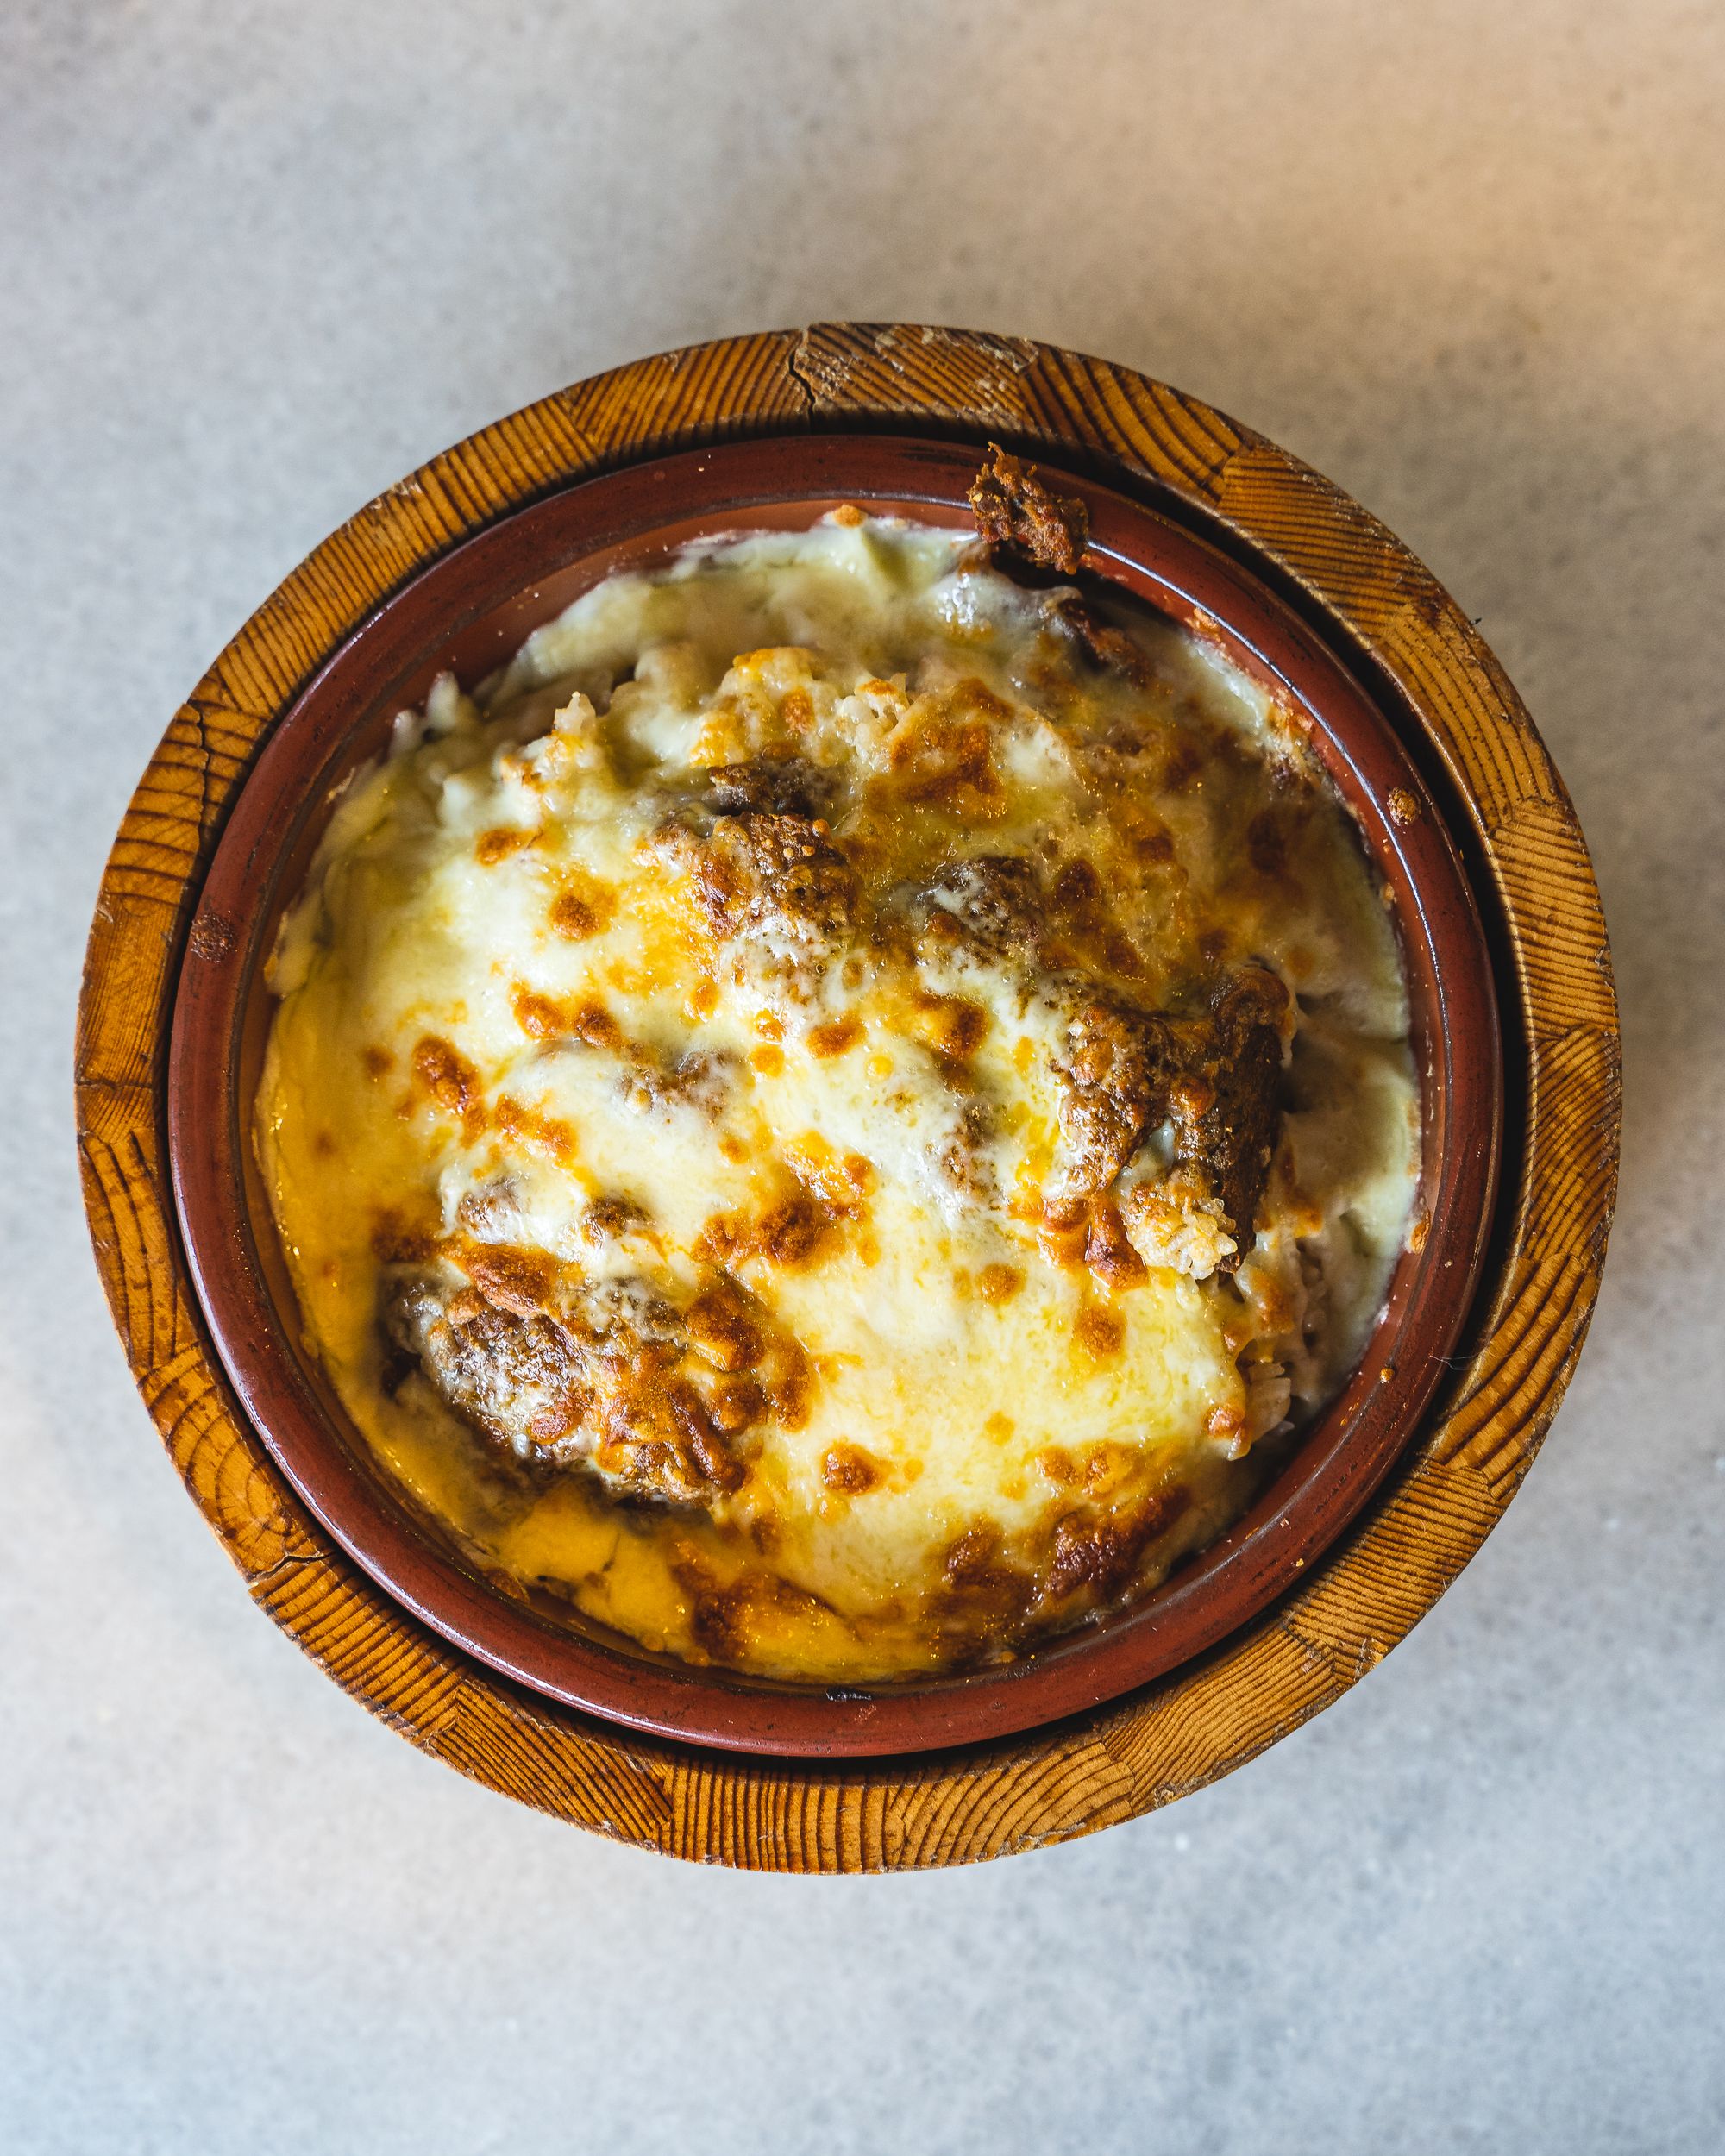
(691, 1183)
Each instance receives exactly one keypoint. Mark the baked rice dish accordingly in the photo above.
(836, 1116)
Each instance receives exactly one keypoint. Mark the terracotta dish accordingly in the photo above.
(471, 610)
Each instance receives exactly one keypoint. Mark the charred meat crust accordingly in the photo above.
(1101, 642)
(991, 903)
(1113, 1080)
(607, 1375)
(1226, 1112)
(772, 880)
(1007, 909)
(1019, 516)
(1213, 1079)
(774, 785)
(1023, 520)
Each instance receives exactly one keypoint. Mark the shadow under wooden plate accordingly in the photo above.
(1459, 720)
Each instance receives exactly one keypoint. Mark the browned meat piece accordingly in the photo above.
(1105, 644)
(777, 785)
(1215, 1078)
(1017, 514)
(514, 1376)
(604, 1380)
(1224, 1105)
(991, 903)
(1113, 1082)
(775, 876)
(772, 883)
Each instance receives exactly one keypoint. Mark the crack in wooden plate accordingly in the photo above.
(1476, 749)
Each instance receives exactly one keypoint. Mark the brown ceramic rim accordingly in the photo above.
(471, 607)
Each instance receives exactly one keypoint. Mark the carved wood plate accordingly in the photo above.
(1478, 753)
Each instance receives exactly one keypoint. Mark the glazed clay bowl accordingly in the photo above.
(468, 611)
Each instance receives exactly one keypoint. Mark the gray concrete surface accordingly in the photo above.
(258, 261)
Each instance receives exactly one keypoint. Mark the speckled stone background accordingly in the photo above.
(1469, 259)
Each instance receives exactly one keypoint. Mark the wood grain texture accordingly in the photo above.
(1438, 1505)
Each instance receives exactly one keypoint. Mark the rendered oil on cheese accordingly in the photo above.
(761, 1103)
